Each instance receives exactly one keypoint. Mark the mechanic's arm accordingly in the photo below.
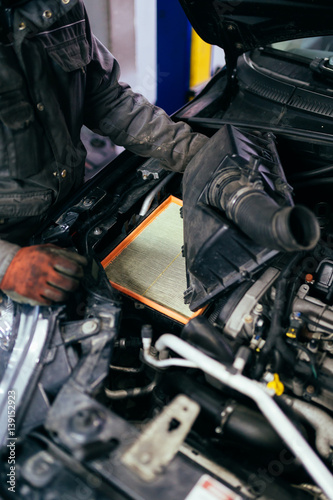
(39, 274)
(113, 109)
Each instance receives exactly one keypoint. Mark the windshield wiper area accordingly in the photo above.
(323, 67)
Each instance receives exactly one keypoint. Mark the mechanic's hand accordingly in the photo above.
(42, 274)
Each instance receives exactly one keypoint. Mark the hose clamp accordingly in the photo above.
(245, 191)
(227, 411)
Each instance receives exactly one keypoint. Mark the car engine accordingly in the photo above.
(119, 394)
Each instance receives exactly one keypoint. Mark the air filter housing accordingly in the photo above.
(148, 265)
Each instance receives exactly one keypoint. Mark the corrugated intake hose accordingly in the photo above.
(289, 229)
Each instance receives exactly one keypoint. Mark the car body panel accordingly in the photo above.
(241, 25)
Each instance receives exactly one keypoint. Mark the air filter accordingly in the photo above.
(148, 264)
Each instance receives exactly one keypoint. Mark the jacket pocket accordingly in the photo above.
(15, 110)
(19, 146)
(68, 45)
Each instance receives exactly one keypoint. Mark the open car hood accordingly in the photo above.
(240, 25)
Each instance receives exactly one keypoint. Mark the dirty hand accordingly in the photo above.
(42, 274)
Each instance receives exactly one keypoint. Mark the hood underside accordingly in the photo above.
(240, 25)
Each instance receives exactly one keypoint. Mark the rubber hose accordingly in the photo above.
(200, 333)
(243, 424)
(276, 328)
(291, 228)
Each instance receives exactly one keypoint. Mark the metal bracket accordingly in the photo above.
(245, 306)
(162, 438)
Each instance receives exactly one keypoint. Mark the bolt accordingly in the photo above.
(310, 389)
(218, 430)
(145, 458)
(97, 231)
(89, 327)
(87, 202)
(41, 467)
(87, 421)
(248, 319)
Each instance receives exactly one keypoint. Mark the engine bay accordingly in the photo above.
(135, 398)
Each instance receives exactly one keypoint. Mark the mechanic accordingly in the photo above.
(55, 76)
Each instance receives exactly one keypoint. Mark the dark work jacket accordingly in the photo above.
(55, 76)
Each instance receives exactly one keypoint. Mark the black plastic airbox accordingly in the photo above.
(218, 254)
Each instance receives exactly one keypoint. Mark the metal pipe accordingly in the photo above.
(135, 392)
(279, 421)
(126, 369)
(320, 314)
(320, 421)
(149, 198)
(167, 363)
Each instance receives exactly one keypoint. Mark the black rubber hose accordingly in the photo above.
(288, 356)
(200, 333)
(276, 328)
(249, 426)
(242, 425)
(211, 403)
(290, 228)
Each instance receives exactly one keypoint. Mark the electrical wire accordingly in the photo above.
(310, 355)
(276, 329)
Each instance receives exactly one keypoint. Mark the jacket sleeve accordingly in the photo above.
(130, 120)
(7, 253)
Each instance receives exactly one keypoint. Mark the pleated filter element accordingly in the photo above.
(148, 264)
